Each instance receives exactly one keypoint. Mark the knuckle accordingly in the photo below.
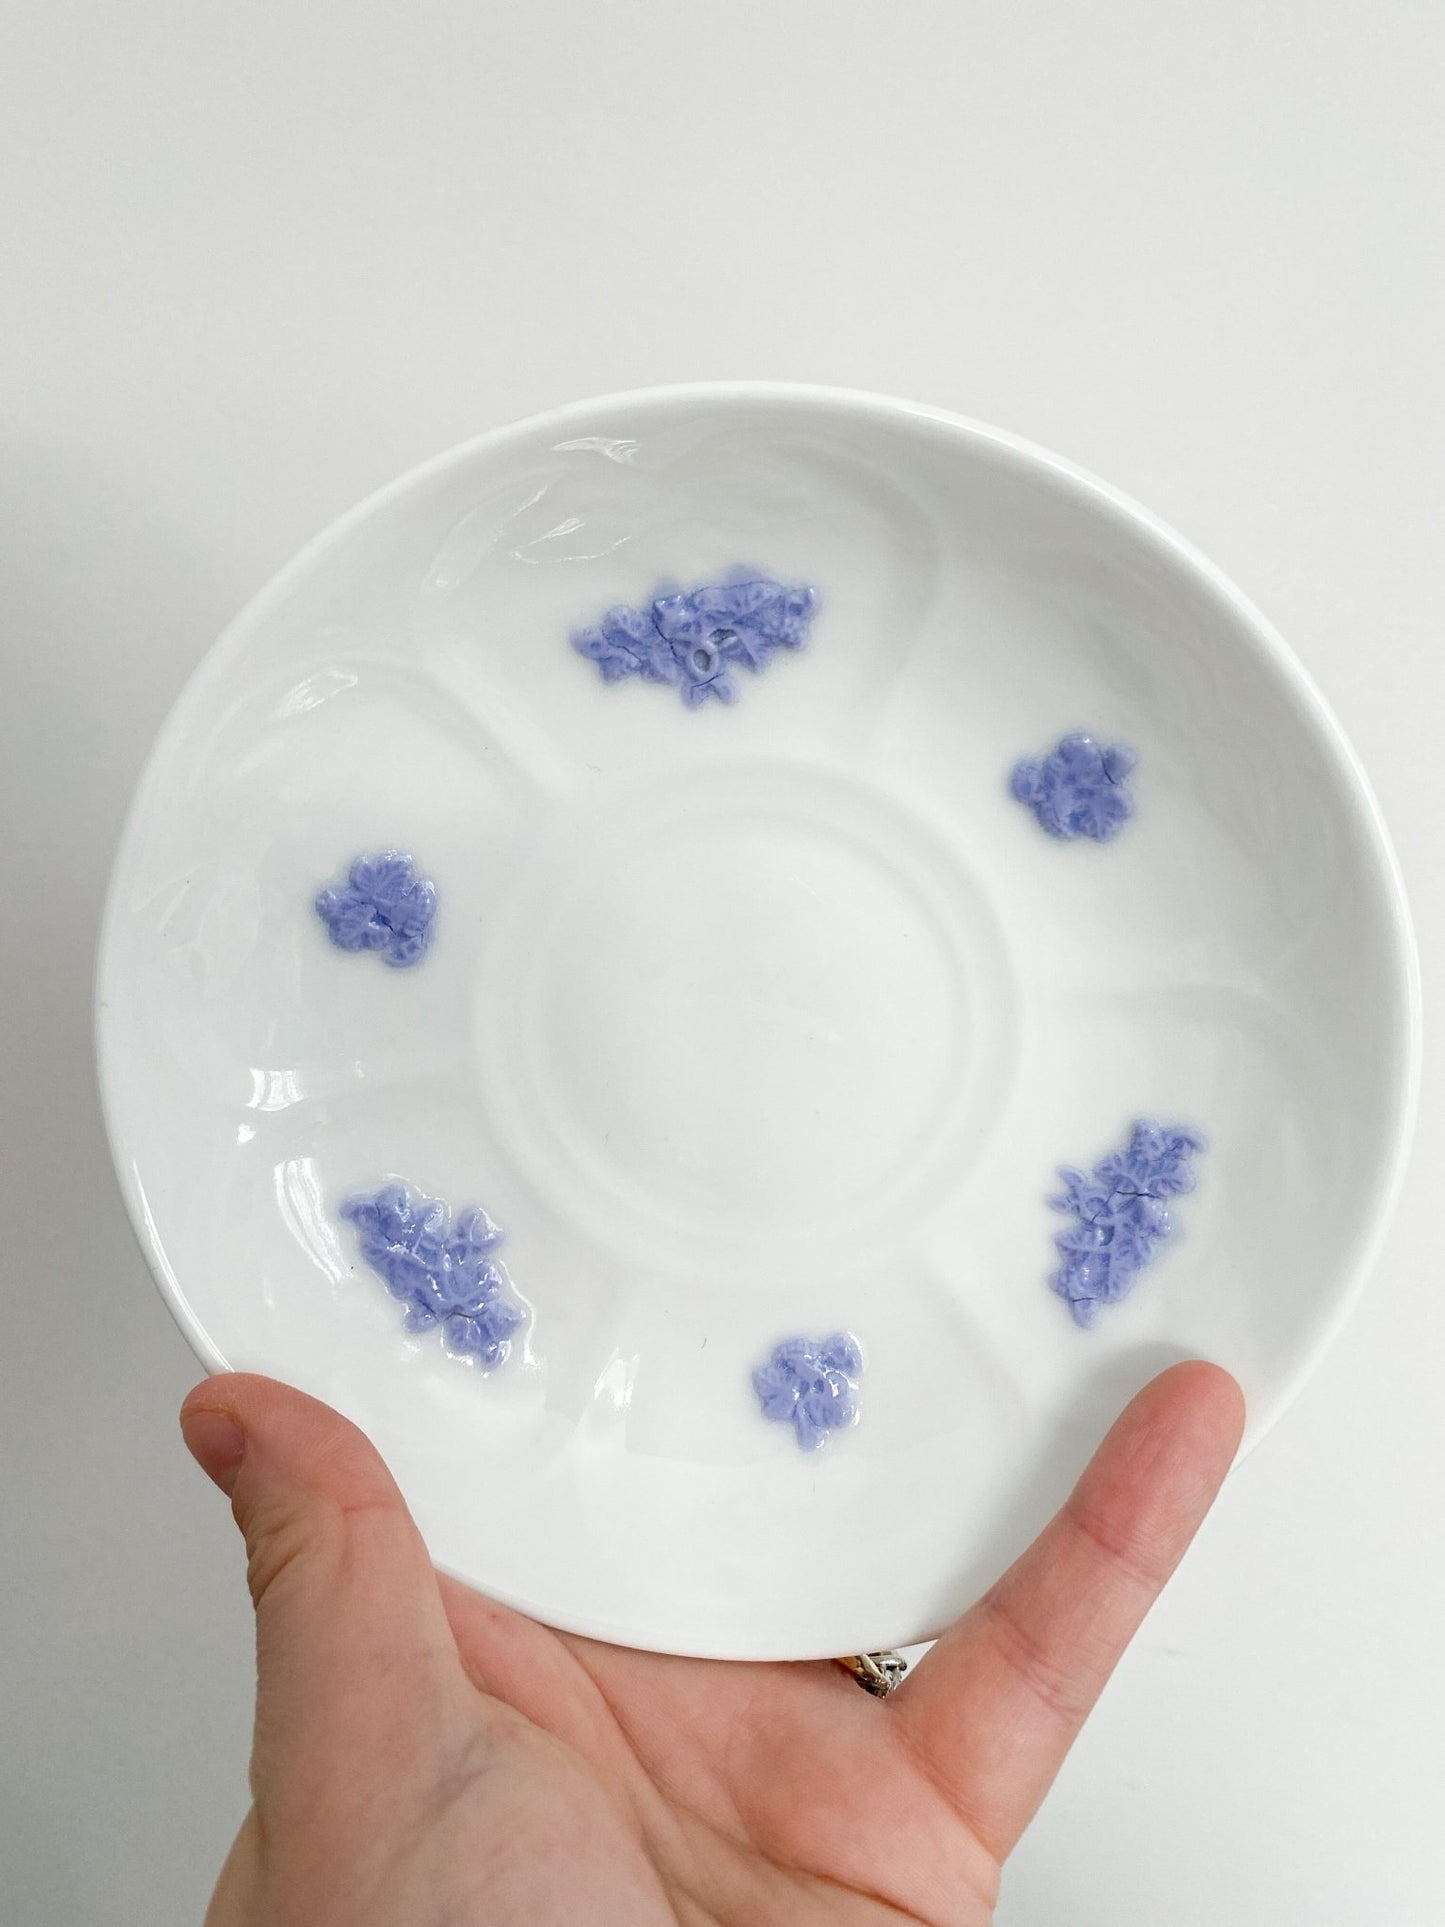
(277, 1544)
(1124, 1553)
(1050, 1683)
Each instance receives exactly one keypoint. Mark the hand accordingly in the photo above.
(424, 1758)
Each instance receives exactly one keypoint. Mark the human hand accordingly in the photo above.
(426, 1758)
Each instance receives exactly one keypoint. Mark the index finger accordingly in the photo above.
(996, 1705)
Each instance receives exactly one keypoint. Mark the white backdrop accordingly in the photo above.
(256, 259)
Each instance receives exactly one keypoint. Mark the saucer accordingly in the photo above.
(614, 946)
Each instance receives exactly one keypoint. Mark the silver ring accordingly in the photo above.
(877, 1673)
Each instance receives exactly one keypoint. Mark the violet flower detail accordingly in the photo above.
(1121, 1216)
(443, 1272)
(1078, 789)
(696, 638)
(383, 905)
(812, 1385)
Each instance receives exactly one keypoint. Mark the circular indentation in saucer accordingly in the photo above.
(751, 1006)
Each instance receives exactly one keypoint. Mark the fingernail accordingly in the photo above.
(217, 1444)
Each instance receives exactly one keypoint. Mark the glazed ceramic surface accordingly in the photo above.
(762, 1025)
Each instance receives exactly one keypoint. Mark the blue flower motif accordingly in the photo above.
(811, 1384)
(693, 639)
(383, 905)
(1120, 1214)
(442, 1272)
(1078, 789)
(627, 643)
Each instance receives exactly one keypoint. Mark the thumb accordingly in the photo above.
(351, 1636)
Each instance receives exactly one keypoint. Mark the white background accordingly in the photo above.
(256, 259)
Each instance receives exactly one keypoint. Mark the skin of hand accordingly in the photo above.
(426, 1758)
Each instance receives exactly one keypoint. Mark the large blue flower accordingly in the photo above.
(1078, 789)
(1120, 1215)
(383, 905)
(442, 1272)
(811, 1384)
(692, 638)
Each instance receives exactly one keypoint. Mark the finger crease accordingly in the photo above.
(1027, 1655)
(1115, 1549)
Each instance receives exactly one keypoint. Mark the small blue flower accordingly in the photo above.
(442, 1272)
(693, 638)
(383, 905)
(1120, 1216)
(811, 1384)
(1078, 789)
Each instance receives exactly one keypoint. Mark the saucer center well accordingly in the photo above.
(752, 1006)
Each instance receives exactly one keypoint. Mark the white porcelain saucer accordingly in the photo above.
(752, 1021)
